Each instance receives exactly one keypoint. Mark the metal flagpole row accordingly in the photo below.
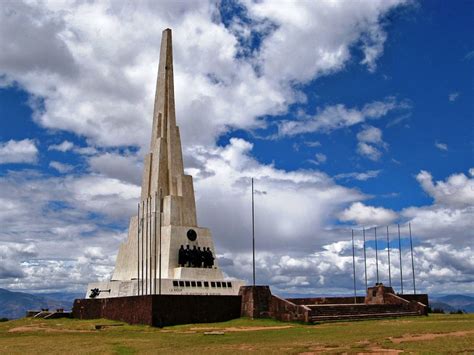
(388, 258)
(148, 225)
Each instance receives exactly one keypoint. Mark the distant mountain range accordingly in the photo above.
(15, 304)
(452, 303)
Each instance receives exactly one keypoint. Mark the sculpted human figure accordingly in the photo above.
(211, 257)
(182, 256)
(200, 257)
(194, 256)
(187, 256)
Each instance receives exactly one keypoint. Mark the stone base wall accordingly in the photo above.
(252, 302)
(160, 310)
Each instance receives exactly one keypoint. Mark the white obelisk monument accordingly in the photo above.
(147, 263)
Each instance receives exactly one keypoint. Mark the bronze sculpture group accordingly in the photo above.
(195, 257)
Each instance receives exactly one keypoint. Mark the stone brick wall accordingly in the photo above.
(376, 294)
(287, 311)
(413, 305)
(422, 297)
(255, 301)
(258, 302)
(159, 310)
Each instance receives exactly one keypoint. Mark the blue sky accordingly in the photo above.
(348, 115)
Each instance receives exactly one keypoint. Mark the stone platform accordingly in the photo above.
(252, 302)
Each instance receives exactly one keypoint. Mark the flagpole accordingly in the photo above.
(159, 230)
(138, 251)
(253, 235)
(154, 246)
(376, 255)
(353, 267)
(142, 222)
(365, 261)
(388, 253)
(146, 246)
(400, 249)
(412, 262)
(150, 239)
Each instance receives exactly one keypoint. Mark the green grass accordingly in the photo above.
(36, 336)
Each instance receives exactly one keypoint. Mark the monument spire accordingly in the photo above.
(163, 168)
(164, 115)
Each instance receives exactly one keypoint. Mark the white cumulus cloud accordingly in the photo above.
(24, 151)
(338, 116)
(361, 176)
(456, 191)
(61, 167)
(370, 143)
(367, 215)
(83, 82)
(62, 147)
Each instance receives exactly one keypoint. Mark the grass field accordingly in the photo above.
(432, 334)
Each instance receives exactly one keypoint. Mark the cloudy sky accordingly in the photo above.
(348, 114)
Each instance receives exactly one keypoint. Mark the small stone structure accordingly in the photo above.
(379, 294)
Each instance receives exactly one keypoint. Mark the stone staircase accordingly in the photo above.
(336, 312)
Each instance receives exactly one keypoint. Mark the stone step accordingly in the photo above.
(335, 310)
(326, 318)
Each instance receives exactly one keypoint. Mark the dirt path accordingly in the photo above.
(241, 329)
(430, 336)
(25, 329)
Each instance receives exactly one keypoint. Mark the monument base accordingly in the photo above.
(160, 310)
(194, 285)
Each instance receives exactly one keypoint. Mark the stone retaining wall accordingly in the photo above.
(258, 302)
(160, 310)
